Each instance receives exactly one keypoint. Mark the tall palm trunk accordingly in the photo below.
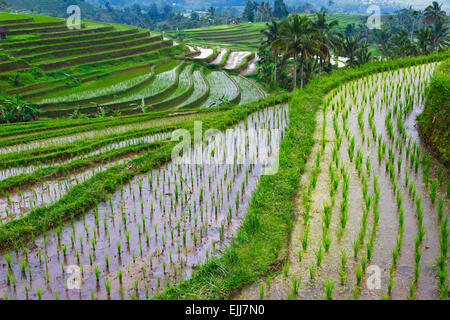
(302, 67)
(295, 72)
(275, 66)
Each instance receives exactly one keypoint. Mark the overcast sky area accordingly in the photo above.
(420, 4)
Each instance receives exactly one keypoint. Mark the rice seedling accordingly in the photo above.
(358, 273)
(329, 286)
(39, 293)
(261, 291)
(326, 241)
(108, 287)
(355, 248)
(433, 189)
(412, 291)
(286, 267)
(318, 254)
(312, 271)
(295, 284)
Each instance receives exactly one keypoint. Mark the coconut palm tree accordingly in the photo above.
(424, 40)
(297, 37)
(363, 55)
(434, 13)
(350, 48)
(271, 35)
(328, 37)
(440, 38)
(401, 45)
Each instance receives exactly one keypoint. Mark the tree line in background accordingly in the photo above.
(263, 11)
(297, 48)
(135, 14)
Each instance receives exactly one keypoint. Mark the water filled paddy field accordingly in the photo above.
(150, 233)
(374, 201)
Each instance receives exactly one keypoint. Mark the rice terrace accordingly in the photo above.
(254, 151)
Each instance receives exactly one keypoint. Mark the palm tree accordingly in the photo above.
(267, 10)
(350, 48)
(328, 37)
(434, 13)
(424, 40)
(297, 37)
(440, 38)
(271, 34)
(382, 36)
(401, 45)
(363, 55)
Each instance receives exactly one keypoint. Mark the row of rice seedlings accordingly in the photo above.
(359, 271)
(374, 135)
(162, 225)
(161, 82)
(200, 87)
(390, 164)
(15, 171)
(249, 92)
(21, 201)
(221, 87)
(95, 134)
(443, 230)
(184, 81)
(399, 239)
(370, 202)
(413, 154)
(117, 86)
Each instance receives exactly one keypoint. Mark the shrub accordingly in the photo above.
(14, 109)
(435, 118)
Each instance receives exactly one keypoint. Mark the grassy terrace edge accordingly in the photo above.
(436, 114)
(259, 245)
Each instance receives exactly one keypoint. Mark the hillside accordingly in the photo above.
(106, 68)
(247, 36)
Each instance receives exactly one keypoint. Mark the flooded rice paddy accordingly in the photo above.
(154, 230)
(373, 207)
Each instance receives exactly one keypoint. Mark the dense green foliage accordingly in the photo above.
(434, 122)
(14, 109)
(311, 43)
